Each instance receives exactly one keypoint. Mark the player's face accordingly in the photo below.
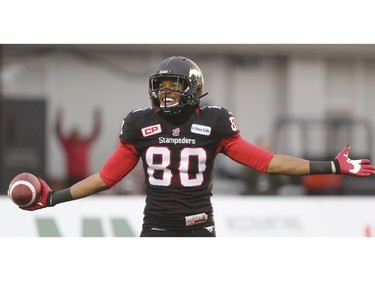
(168, 93)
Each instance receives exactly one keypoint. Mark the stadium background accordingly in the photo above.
(311, 100)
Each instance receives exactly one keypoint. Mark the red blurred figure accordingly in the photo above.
(77, 148)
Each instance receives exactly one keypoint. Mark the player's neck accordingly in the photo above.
(179, 118)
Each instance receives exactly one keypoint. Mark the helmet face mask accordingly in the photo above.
(181, 70)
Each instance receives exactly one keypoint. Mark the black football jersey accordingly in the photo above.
(178, 161)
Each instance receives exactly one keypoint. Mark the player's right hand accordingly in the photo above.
(44, 199)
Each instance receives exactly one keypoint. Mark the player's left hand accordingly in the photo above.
(346, 166)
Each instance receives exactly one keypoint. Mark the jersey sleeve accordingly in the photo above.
(122, 161)
(245, 153)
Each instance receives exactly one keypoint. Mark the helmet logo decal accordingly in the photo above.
(163, 71)
(194, 72)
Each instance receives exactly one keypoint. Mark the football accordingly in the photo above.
(25, 190)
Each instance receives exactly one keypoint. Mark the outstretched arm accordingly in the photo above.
(122, 161)
(342, 164)
(288, 165)
(265, 161)
(89, 186)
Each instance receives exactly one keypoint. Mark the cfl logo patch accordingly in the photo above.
(151, 130)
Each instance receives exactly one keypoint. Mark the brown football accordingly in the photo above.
(25, 190)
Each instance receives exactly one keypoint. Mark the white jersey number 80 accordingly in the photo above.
(185, 178)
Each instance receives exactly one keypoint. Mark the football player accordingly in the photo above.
(178, 140)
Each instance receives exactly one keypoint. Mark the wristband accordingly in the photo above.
(49, 199)
(321, 167)
(337, 166)
(60, 197)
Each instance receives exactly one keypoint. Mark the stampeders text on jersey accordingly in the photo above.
(176, 140)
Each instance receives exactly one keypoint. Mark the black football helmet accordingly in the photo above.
(186, 72)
